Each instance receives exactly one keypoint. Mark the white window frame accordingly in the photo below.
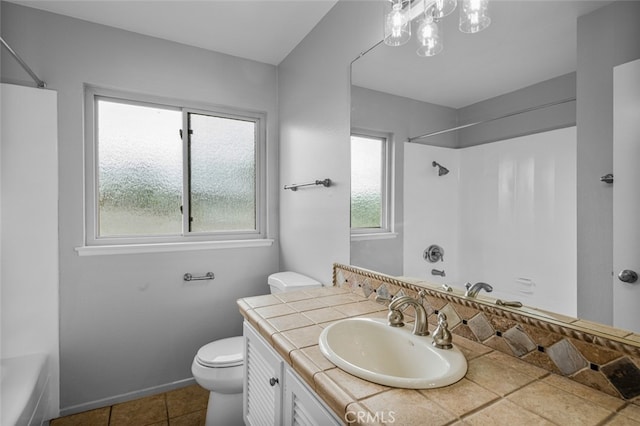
(386, 229)
(186, 240)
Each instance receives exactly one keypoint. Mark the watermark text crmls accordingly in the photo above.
(364, 417)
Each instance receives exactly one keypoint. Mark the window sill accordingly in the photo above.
(374, 236)
(169, 247)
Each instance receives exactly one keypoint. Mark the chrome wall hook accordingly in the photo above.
(608, 178)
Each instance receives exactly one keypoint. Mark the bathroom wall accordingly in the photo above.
(518, 218)
(129, 324)
(432, 212)
(314, 102)
(402, 118)
(505, 214)
(553, 117)
(607, 37)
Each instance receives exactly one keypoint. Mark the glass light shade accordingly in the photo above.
(442, 8)
(429, 38)
(397, 25)
(474, 16)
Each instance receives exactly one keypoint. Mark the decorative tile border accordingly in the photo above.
(603, 363)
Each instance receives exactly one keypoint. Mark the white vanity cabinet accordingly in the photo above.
(273, 393)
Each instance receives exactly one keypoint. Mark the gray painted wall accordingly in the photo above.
(554, 117)
(608, 37)
(314, 101)
(403, 118)
(129, 322)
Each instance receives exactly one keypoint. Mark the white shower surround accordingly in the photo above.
(505, 214)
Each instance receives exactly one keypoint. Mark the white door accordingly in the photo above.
(626, 196)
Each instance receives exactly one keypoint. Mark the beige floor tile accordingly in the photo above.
(323, 315)
(494, 376)
(600, 398)
(461, 397)
(186, 400)
(303, 337)
(521, 366)
(260, 301)
(631, 411)
(98, 417)
(359, 308)
(143, 411)
(404, 406)
(196, 418)
(287, 322)
(274, 311)
(620, 420)
(505, 413)
(558, 406)
(357, 387)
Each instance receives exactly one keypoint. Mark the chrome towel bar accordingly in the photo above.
(207, 276)
(325, 182)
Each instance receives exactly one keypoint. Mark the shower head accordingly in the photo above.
(442, 170)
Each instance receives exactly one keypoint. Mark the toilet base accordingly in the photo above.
(224, 409)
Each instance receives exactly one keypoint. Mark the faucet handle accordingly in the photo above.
(442, 336)
(395, 318)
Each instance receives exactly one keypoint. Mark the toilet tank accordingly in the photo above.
(282, 282)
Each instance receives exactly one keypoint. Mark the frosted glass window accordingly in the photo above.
(368, 183)
(140, 169)
(223, 173)
(162, 172)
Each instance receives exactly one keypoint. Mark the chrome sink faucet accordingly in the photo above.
(395, 317)
(473, 290)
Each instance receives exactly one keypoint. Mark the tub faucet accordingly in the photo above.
(420, 326)
(473, 290)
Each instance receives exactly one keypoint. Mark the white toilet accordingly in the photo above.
(219, 366)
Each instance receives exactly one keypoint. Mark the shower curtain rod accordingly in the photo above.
(475, 123)
(41, 84)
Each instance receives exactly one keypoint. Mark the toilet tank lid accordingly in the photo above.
(288, 279)
(227, 352)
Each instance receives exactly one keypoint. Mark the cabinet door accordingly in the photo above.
(301, 407)
(262, 396)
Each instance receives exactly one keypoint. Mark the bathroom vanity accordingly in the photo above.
(273, 391)
(282, 333)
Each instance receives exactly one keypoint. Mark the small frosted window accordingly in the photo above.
(163, 173)
(367, 182)
(140, 170)
(223, 174)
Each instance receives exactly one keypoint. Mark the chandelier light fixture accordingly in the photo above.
(399, 15)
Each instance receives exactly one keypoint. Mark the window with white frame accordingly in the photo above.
(161, 171)
(370, 183)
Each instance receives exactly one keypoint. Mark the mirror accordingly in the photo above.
(506, 211)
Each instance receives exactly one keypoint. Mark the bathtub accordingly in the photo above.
(25, 390)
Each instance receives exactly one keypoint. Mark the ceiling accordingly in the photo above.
(526, 43)
(261, 30)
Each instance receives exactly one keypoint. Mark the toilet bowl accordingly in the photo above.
(219, 366)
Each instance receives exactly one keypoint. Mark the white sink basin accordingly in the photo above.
(392, 356)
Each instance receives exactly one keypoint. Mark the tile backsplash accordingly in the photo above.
(606, 363)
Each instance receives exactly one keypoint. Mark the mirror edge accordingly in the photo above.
(582, 330)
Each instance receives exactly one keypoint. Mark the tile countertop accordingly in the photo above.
(498, 389)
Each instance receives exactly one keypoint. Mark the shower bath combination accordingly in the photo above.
(442, 170)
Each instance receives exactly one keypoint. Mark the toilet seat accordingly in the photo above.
(227, 352)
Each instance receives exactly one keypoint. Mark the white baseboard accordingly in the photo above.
(105, 402)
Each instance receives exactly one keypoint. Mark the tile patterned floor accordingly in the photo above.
(181, 407)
